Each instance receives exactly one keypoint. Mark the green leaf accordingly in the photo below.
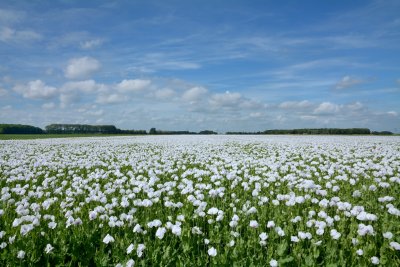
(282, 248)
(309, 260)
(316, 253)
(286, 260)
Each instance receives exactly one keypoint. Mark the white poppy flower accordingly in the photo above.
(212, 252)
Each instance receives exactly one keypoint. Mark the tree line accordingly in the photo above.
(111, 129)
(84, 129)
(19, 129)
(317, 131)
(154, 131)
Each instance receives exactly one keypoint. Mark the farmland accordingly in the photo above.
(200, 200)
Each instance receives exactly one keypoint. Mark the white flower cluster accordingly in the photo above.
(213, 195)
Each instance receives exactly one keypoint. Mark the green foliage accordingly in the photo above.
(19, 129)
(321, 131)
(324, 131)
(80, 128)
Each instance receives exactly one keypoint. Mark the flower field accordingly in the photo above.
(200, 200)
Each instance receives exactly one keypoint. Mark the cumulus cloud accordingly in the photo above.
(49, 105)
(110, 98)
(86, 86)
(68, 98)
(36, 90)
(256, 115)
(327, 108)
(348, 81)
(73, 91)
(355, 106)
(295, 104)
(96, 113)
(226, 99)
(81, 68)
(11, 35)
(194, 94)
(308, 118)
(164, 93)
(133, 85)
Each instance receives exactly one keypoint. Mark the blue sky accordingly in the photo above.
(194, 65)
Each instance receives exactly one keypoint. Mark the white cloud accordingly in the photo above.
(256, 115)
(251, 104)
(194, 94)
(355, 106)
(181, 65)
(392, 113)
(86, 86)
(49, 105)
(11, 35)
(68, 98)
(36, 90)
(96, 113)
(72, 92)
(153, 62)
(327, 108)
(83, 67)
(164, 93)
(89, 44)
(227, 99)
(110, 98)
(133, 85)
(348, 81)
(296, 104)
(308, 118)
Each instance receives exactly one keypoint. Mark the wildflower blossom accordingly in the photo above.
(375, 260)
(273, 263)
(395, 245)
(253, 224)
(161, 232)
(263, 236)
(335, 234)
(388, 235)
(140, 249)
(130, 263)
(21, 254)
(108, 239)
(48, 248)
(212, 252)
(130, 248)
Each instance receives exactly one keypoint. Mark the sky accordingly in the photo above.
(196, 65)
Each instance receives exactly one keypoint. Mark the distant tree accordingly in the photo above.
(153, 131)
(81, 129)
(207, 132)
(19, 129)
(320, 131)
(382, 133)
